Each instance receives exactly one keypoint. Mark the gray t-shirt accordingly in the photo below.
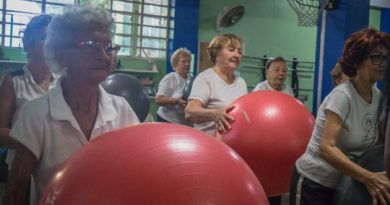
(359, 132)
(215, 93)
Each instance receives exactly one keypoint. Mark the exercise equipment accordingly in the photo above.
(154, 164)
(351, 191)
(270, 131)
(131, 89)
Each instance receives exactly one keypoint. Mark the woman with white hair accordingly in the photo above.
(76, 110)
(171, 89)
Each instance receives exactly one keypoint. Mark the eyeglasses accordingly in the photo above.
(378, 59)
(95, 47)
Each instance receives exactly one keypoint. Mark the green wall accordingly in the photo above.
(268, 27)
(375, 18)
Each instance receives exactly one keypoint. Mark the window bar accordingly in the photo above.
(43, 6)
(11, 30)
(142, 28)
(3, 23)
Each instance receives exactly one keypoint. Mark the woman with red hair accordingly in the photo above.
(347, 125)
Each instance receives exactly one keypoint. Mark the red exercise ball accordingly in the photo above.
(270, 131)
(154, 164)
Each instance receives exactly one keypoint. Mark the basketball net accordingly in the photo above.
(308, 11)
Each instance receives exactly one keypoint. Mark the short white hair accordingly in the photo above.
(64, 27)
(179, 52)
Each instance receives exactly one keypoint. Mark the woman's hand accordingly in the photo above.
(221, 119)
(378, 185)
(181, 102)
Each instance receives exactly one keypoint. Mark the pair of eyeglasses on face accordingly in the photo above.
(377, 59)
(109, 48)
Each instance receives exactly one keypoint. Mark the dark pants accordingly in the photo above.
(274, 200)
(160, 119)
(303, 191)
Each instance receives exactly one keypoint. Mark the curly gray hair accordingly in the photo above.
(64, 27)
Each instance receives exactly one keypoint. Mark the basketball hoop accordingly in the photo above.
(308, 11)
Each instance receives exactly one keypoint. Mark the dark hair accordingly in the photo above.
(358, 45)
(37, 23)
(277, 59)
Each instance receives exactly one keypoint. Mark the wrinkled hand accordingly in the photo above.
(221, 119)
(182, 102)
(378, 186)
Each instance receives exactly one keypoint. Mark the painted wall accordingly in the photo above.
(269, 27)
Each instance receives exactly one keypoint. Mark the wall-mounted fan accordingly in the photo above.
(230, 16)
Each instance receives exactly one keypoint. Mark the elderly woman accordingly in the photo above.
(171, 89)
(76, 110)
(276, 72)
(34, 80)
(347, 125)
(217, 87)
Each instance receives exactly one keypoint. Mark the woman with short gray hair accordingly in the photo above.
(76, 110)
(171, 89)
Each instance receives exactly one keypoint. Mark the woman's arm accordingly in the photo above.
(387, 147)
(7, 110)
(7, 102)
(382, 131)
(377, 185)
(19, 177)
(196, 113)
(166, 101)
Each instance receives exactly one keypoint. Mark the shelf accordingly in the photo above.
(12, 62)
(136, 71)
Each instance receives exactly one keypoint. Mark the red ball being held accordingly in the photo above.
(270, 131)
(154, 164)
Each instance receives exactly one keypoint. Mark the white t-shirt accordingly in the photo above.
(172, 85)
(49, 130)
(359, 132)
(215, 93)
(26, 89)
(266, 86)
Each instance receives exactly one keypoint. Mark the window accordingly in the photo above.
(141, 25)
(15, 14)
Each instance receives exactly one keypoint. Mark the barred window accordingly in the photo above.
(15, 14)
(141, 25)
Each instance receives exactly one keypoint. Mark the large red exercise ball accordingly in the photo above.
(131, 89)
(154, 164)
(350, 191)
(270, 131)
